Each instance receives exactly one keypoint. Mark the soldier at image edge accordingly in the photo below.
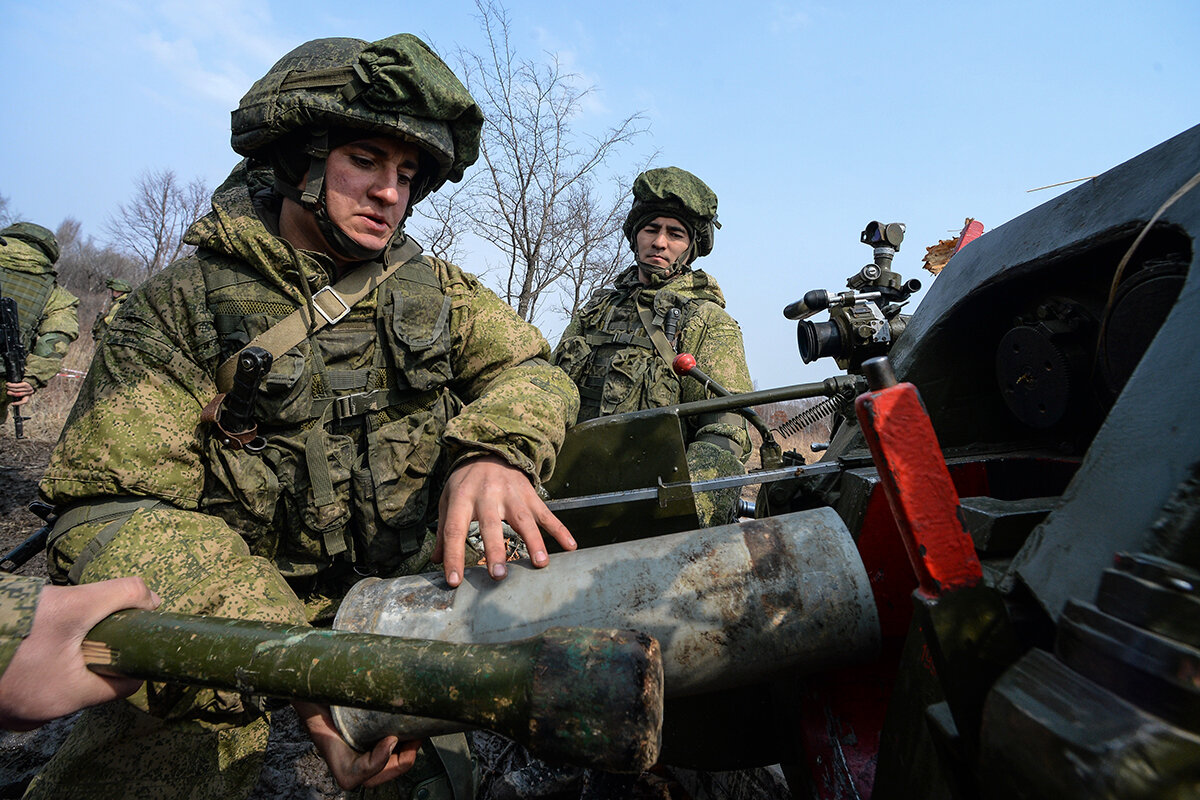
(47, 313)
(42, 671)
(401, 392)
(618, 349)
(118, 290)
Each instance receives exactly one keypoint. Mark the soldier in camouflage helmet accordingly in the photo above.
(405, 400)
(47, 313)
(118, 290)
(618, 349)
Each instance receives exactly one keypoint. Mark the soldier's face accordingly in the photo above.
(661, 242)
(368, 184)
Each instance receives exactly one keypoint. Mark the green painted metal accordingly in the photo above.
(587, 696)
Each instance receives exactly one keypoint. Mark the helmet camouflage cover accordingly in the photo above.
(35, 235)
(395, 87)
(676, 193)
(118, 285)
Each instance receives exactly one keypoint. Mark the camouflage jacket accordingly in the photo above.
(608, 353)
(18, 601)
(48, 312)
(362, 421)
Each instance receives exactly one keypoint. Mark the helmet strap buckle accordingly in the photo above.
(318, 151)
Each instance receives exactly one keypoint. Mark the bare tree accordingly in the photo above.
(535, 198)
(150, 227)
(441, 218)
(84, 266)
(599, 252)
(8, 214)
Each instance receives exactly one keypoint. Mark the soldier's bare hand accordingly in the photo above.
(387, 760)
(490, 490)
(20, 392)
(47, 677)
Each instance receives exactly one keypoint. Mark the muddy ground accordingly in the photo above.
(293, 769)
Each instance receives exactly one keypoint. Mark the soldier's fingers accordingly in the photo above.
(400, 759)
(554, 526)
(494, 550)
(452, 539)
(522, 520)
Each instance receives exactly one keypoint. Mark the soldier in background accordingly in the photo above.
(618, 349)
(117, 291)
(48, 313)
(405, 400)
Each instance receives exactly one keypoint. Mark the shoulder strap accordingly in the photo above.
(332, 304)
(657, 337)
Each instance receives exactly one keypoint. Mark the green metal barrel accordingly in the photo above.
(591, 697)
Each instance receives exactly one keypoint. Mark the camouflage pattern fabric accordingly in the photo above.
(18, 602)
(616, 376)
(396, 86)
(50, 319)
(447, 371)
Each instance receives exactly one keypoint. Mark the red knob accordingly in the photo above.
(683, 363)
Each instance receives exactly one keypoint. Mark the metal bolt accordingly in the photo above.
(878, 372)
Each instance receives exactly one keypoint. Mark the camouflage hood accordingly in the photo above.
(21, 256)
(690, 283)
(234, 228)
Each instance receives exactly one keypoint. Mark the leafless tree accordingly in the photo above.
(8, 214)
(536, 198)
(599, 252)
(150, 227)
(441, 218)
(84, 266)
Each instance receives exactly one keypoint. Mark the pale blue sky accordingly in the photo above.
(808, 119)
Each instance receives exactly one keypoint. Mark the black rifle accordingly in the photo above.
(232, 414)
(16, 558)
(13, 352)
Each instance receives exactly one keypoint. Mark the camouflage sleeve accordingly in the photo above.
(134, 428)
(715, 339)
(518, 405)
(59, 327)
(18, 601)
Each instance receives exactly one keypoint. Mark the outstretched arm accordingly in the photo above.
(47, 677)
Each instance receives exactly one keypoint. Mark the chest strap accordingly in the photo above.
(620, 337)
(657, 337)
(332, 303)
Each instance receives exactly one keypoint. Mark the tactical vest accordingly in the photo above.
(32, 291)
(614, 361)
(353, 425)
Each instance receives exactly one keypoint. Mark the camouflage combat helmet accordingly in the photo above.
(676, 193)
(35, 235)
(118, 285)
(395, 87)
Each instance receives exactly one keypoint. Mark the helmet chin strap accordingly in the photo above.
(312, 198)
(660, 275)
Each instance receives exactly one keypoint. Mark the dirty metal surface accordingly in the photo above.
(728, 605)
